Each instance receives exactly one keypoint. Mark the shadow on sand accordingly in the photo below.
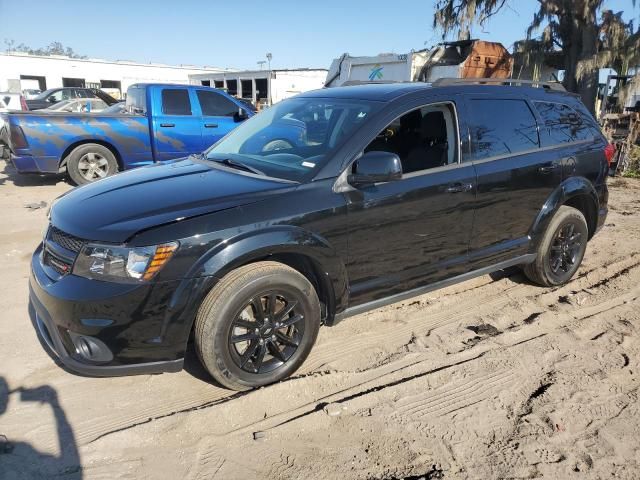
(20, 460)
(9, 175)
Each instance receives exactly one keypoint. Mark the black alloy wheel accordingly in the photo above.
(257, 325)
(266, 332)
(560, 251)
(565, 249)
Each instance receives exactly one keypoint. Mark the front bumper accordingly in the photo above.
(49, 333)
(144, 327)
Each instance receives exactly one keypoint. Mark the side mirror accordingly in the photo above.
(51, 100)
(240, 115)
(375, 167)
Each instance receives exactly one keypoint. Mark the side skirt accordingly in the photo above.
(382, 302)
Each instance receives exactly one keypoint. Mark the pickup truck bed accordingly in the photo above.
(52, 136)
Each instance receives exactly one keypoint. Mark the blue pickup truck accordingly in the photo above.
(162, 122)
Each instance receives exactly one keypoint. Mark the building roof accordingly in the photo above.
(116, 62)
(264, 72)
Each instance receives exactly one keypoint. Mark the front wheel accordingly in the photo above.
(561, 249)
(257, 325)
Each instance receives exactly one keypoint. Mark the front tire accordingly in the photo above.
(561, 249)
(257, 325)
(90, 162)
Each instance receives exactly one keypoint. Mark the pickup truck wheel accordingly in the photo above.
(257, 325)
(90, 162)
(561, 250)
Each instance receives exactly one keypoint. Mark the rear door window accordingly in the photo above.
(502, 127)
(175, 101)
(215, 105)
(562, 124)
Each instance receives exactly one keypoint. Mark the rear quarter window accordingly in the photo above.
(562, 124)
(175, 101)
(502, 127)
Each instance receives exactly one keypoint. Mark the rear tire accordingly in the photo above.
(561, 249)
(257, 325)
(90, 162)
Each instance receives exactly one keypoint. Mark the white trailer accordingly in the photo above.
(462, 59)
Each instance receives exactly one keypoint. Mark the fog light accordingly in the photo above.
(91, 348)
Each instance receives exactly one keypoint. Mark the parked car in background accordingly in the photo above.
(86, 105)
(404, 188)
(54, 95)
(120, 107)
(166, 122)
(30, 93)
(248, 103)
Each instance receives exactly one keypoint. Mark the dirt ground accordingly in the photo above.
(492, 378)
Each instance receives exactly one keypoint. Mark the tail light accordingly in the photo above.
(17, 138)
(23, 103)
(609, 152)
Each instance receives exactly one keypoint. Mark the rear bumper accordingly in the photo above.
(30, 164)
(603, 209)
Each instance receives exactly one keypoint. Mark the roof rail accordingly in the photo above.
(441, 82)
(349, 83)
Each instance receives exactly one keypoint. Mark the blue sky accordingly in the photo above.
(239, 34)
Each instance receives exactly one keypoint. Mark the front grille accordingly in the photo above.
(65, 240)
(63, 267)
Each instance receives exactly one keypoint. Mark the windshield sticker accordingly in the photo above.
(308, 164)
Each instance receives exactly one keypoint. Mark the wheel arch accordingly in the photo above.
(304, 251)
(576, 192)
(65, 155)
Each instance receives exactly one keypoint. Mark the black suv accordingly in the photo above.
(54, 95)
(387, 191)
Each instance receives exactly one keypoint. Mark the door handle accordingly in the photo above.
(459, 187)
(167, 125)
(210, 125)
(548, 168)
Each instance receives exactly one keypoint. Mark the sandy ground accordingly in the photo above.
(493, 378)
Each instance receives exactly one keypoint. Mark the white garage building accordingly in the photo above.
(19, 71)
(263, 87)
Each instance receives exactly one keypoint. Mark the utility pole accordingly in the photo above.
(269, 57)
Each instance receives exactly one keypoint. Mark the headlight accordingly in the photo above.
(122, 264)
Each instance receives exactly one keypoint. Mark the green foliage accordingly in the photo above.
(584, 35)
(54, 48)
(633, 170)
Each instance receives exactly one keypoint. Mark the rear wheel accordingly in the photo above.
(561, 250)
(257, 325)
(90, 162)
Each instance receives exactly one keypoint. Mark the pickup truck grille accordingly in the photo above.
(65, 240)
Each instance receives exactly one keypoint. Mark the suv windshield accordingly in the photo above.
(44, 95)
(294, 138)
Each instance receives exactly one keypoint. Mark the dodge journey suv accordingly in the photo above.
(377, 193)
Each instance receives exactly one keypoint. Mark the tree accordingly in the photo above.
(571, 27)
(54, 48)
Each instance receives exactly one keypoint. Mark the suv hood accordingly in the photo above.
(116, 208)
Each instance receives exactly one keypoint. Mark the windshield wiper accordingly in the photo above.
(230, 162)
